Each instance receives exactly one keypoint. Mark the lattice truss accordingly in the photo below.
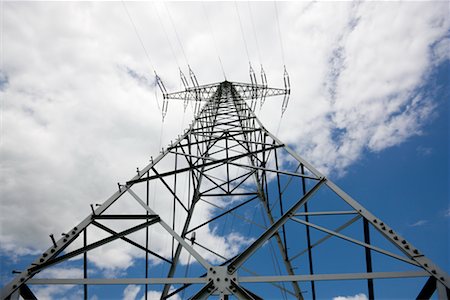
(230, 211)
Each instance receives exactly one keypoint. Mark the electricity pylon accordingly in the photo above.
(291, 229)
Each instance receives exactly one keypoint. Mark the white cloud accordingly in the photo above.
(419, 223)
(78, 114)
(130, 292)
(447, 213)
(360, 296)
(154, 295)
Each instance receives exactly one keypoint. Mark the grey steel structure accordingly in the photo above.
(296, 230)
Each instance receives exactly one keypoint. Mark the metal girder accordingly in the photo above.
(242, 279)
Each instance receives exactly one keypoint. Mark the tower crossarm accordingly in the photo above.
(245, 90)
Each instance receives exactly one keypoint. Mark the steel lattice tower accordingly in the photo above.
(290, 219)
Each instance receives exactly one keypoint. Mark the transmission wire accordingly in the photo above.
(279, 33)
(242, 31)
(165, 34)
(211, 32)
(254, 32)
(142, 44)
(176, 34)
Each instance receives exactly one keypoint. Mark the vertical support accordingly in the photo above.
(308, 235)
(368, 258)
(228, 165)
(85, 264)
(147, 197)
(174, 210)
(280, 195)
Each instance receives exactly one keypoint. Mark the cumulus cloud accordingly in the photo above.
(130, 292)
(355, 297)
(79, 110)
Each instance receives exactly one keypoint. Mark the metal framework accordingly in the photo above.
(292, 230)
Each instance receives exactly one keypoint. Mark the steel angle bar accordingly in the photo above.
(245, 176)
(123, 217)
(344, 237)
(170, 190)
(92, 246)
(235, 264)
(320, 241)
(333, 277)
(236, 215)
(204, 292)
(327, 213)
(428, 289)
(180, 240)
(273, 170)
(121, 281)
(131, 242)
(242, 293)
(222, 214)
(26, 293)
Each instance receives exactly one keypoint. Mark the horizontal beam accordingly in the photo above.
(108, 281)
(124, 217)
(326, 213)
(325, 277)
(242, 279)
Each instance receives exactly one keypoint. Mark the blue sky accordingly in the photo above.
(369, 107)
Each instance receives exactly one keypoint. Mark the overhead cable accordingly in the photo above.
(176, 34)
(143, 47)
(211, 31)
(242, 31)
(254, 32)
(166, 35)
(279, 33)
(138, 35)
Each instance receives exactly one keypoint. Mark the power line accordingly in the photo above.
(242, 31)
(211, 31)
(138, 36)
(254, 32)
(166, 35)
(176, 34)
(279, 32)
